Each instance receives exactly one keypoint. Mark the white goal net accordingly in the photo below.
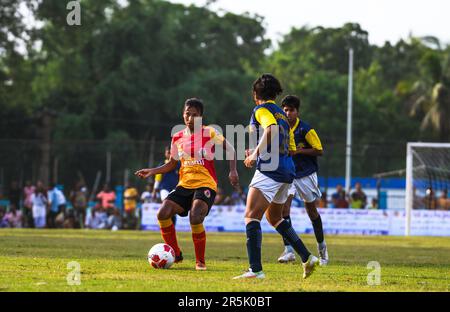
(427, 178)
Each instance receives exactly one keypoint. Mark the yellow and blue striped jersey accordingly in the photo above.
(265, 115)
(305, 137)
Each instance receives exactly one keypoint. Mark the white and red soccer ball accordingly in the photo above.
(161, 256)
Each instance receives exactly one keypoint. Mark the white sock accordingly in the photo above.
(288, 248)
(322, 244)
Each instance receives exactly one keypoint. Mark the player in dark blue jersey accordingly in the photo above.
(308, 148)
(167, 182)
(274, 174)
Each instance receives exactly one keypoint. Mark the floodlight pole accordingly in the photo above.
(348, 153)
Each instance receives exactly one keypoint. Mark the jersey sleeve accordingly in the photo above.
(158, 177)
(313, 139)
(217, 137)
(174, 147)
(265, 117)
(292, 146)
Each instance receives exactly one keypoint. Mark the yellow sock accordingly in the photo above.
(197, 228)
(165, 223)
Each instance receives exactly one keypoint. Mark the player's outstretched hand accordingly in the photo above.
(234, 178)
(144, 173)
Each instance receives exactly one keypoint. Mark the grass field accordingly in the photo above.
(36, 260)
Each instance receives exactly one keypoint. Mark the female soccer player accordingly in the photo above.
(194, 195)
(275, 173)
(305, 184)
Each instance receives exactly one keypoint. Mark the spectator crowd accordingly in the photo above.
(358, 199)
(35, 205)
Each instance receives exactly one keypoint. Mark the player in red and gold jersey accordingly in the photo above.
(194, 147)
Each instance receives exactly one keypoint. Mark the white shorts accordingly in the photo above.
(163, 194)
(307, 187)
(273, 191)
(292, 191)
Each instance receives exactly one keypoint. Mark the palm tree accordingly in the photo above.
(431, 93)
(438, 114)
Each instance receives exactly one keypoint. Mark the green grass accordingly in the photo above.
(36, 260)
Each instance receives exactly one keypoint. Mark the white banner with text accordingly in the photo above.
(335, 221)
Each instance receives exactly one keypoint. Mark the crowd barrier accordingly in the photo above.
(335, 221)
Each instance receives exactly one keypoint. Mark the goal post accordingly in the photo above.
(427, 171)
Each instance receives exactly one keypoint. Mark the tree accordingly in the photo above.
(430, 94)
(128, 70)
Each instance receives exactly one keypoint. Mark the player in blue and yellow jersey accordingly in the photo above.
(308, 148)
(275, 171)
(165, 183)
(194, 147)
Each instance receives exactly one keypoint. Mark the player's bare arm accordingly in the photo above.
(308, 152)
(148, 172)
(231, 153)
(250, 160)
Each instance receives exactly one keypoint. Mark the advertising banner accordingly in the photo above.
(335, 221)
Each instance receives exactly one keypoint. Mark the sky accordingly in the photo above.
(385, 20)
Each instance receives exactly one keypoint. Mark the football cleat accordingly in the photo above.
(251, 274)
(323, 254)
(199, 266)
(310, 265)
(286, 257)
(179, 258)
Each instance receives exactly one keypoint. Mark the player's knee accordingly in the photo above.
(273, 220)
(314, 216)
(164, 213)
(312, 211)
(197, 215)
(249, 214)
(196, 218)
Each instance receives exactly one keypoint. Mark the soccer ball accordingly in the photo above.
(161, 256)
